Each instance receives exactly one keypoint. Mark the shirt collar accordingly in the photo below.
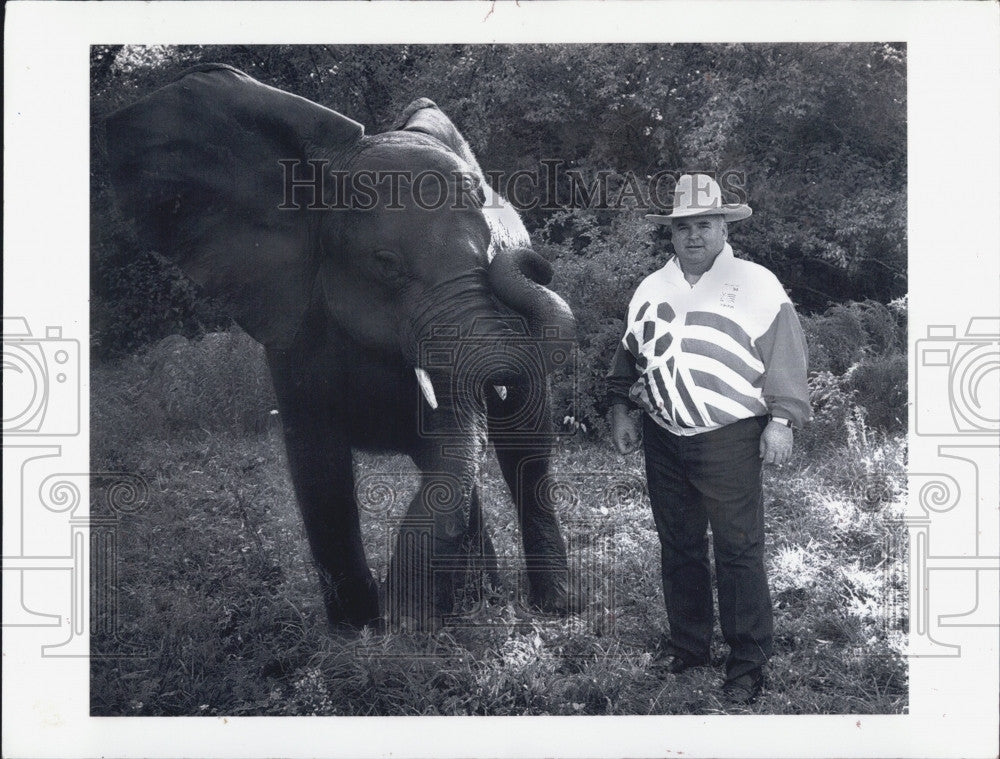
(721, 262)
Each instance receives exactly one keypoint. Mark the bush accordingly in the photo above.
(857, 357)
(599, 262)
(832, 405)
(217, 384)
(142, 302)
(848, 333)
(879, 386)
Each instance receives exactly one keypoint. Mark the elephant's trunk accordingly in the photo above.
(518, 278)
(464, 343)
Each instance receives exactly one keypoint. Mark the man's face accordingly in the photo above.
(697, 241)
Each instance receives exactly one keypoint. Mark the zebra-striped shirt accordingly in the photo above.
(727, 348)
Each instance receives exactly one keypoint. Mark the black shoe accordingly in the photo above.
(745, 689)
(675, 663)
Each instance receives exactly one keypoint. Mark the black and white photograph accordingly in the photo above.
(391, 443)
(508, 370)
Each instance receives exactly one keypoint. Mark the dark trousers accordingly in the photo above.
(712, 478)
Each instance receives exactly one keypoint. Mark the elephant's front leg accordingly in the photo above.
(320, 461)
(324, 485)
(431, 557)
(481, 556)
(429, 547)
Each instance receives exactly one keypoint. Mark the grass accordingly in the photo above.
(218, 609)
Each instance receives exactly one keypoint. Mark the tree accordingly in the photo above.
(817, 132)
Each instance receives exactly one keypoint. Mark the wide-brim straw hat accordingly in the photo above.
(700, 195)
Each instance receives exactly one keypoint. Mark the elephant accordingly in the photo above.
(389, 323)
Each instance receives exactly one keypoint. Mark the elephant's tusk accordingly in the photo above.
(501, 391)
(424, 381)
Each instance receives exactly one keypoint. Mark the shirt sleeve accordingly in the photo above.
(784, 352)
(621, 376)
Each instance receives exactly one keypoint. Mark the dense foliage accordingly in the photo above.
(813, 134)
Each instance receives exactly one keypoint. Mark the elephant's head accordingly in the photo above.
(216, 168)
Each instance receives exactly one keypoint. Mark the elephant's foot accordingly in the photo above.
(351, 602)
(423, 624)
(407, 613)
(416, 597)
(550, 593)
(480, 579)
(350, 632)
(557, 604)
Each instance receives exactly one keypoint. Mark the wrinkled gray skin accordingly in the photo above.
(348, 303)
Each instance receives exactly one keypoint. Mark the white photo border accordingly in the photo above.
(953, 60)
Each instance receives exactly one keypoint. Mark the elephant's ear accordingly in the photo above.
(196, 164)
(506, 227)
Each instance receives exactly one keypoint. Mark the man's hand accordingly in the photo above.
(624, 429)
(776, 443)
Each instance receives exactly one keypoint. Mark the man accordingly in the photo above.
(714, 355)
